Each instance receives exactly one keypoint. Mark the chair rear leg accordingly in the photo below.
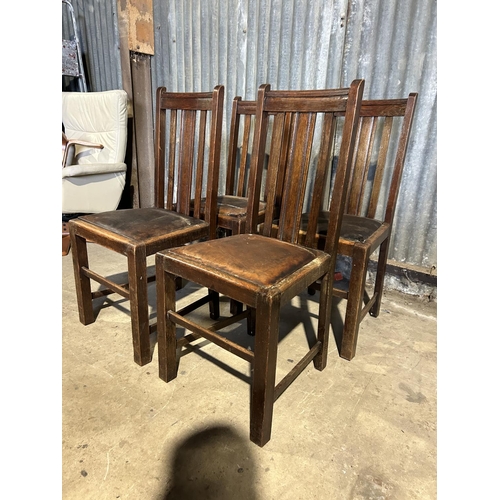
(379, 279)
(82, 282)
(325, 307)
(251, 321)
(354, 304)
(264, 371)
(139, 307)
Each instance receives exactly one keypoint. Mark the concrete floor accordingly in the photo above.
(364, 429)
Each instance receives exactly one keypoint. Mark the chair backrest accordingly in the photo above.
(381, 144)
(237, 171)
(187, 151)
(99, 118)
(301, 148)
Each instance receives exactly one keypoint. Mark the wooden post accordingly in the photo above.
(136, 28)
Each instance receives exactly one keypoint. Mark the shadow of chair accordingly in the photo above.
(94, 146)
(381, 146)
(215, 463)
(267, 269)
(187, 158)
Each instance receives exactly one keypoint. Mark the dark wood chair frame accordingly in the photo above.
(266, 270)
(361, 233)
(233, 204)
(141, 232)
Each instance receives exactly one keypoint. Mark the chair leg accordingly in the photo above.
(354, 304)
(82, 282)
(235, 307)
(167, 341)
(379, 279)
(264, 371)
(251, 321)
(214, 304)
(325, 307)
(139, 308)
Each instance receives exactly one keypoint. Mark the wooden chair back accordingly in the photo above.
(301, 147)
(237, 171)
(187, 152)
(378, 167)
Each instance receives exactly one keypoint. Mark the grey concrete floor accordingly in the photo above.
(360, 429)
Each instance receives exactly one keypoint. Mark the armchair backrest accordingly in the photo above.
(96, 117)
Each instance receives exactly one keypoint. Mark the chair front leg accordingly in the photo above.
(139, 307)
(167, 341)
(354, 304)
(264, 370)
(82, 282)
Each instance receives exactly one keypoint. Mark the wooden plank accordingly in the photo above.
(141, 26)
(130, 197)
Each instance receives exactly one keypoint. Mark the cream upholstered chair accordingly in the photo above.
(93, 178)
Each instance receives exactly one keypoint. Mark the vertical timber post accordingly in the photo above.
(137, 46)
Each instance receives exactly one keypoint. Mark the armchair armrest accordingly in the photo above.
(68, 143)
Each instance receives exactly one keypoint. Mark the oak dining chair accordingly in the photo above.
(187, 160)
(267, 265)
(381, 146)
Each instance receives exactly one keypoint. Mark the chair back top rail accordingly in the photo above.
(193, 131)
(295, 119)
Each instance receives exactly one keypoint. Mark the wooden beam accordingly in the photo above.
(130, 197)
(143, 121)
(141, 26)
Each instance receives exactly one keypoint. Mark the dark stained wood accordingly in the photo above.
(141, 232)
(361, 234)
(266, 270)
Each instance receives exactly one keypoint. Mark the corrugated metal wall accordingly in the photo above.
(297, 44)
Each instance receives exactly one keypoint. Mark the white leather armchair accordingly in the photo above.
(93, 178)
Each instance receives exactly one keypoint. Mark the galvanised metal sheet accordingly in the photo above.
(298, 44)
(98, 31)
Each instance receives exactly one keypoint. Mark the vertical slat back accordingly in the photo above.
(299, 117)
(241, 186)
(380, 152)
(198, 191)
(297, 171)
(188, 168)
(236, 173)
(400, 157)
(187, 143)
(324, 162)
(362, 155)
(383, 150)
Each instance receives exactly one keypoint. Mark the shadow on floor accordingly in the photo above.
(215, 463)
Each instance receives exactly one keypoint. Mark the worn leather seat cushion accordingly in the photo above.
(143, 224)
(257, 259)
